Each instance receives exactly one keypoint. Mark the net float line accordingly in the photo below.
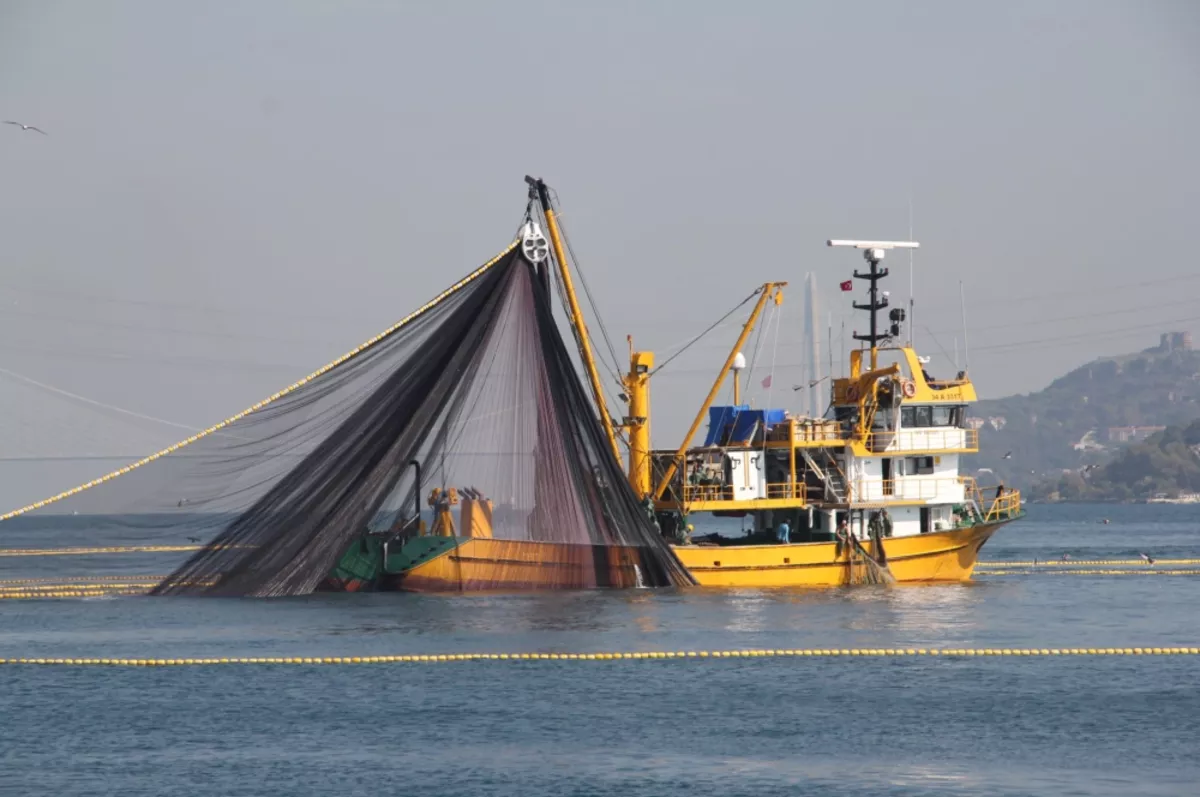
(1088, 572)
(874, 653)
(109, 585)
(1093, 562)
(72, 579)
(7, 552)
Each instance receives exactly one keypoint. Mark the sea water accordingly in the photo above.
(661, 727)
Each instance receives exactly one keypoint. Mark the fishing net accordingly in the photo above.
(862, 566)
(477, 388)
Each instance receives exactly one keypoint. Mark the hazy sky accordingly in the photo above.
(233, 193)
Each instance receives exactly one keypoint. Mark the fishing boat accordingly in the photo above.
(871, 491)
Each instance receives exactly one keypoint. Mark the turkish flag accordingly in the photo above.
(848, 285)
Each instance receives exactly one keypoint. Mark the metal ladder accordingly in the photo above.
(834, 481)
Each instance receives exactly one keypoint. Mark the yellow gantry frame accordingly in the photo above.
(585, 345)
(769, 290)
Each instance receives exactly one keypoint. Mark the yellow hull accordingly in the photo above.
(489, 564)
(937, 556)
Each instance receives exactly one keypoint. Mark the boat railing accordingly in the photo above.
(707, 492)
(911, 488)
(926, 440)
(1006, 505)
(724, 492)
(1004, 502)
(817, 431)
(786, 490)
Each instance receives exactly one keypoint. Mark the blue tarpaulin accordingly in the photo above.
(733, 424)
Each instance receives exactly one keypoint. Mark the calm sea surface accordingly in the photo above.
(794, 726)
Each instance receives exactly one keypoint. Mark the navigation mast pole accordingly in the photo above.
(874, 251)
(581, 334)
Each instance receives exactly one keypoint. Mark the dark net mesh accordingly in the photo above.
(479, 390)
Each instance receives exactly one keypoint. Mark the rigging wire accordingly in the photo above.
(696, 339)
(606, 396)
(771, 376)
(758, 336)
(93, 402)
(1095, 291)
(163, 330)
(586, 289)
(945, 354)
(1085, 336)
(774, 352)
(1084, 316)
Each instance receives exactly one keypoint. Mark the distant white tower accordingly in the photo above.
(812, 346)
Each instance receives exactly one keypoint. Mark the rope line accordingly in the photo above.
(85, 588)
(1091, 572)
(691, 654)
(1071, 562)
(74, 593)
(6, 552)
(64, 579)
(716, 324)
(83, 591)
(275, 397)
(93, 402)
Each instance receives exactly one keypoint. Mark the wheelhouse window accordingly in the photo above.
(925, 417)
(919, 466)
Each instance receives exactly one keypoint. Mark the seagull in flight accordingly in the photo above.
(1007, 456)
(1147, 558)
(27, 127)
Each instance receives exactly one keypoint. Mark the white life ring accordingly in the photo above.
(910, 388)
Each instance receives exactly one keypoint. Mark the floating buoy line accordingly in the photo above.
(1085, 562)
(871, 653)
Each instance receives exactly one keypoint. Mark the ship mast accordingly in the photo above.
(538, 187)
(874, 252)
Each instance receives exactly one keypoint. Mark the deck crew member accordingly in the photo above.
(784, 532)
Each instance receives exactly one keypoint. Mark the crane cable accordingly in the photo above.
(696, 339)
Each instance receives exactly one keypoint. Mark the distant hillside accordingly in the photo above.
(1083, 417)
(1167, 464)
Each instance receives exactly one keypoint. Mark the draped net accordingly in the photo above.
(478, 388)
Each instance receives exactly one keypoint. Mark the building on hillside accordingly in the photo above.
(1175, 341)
(1131, 434)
